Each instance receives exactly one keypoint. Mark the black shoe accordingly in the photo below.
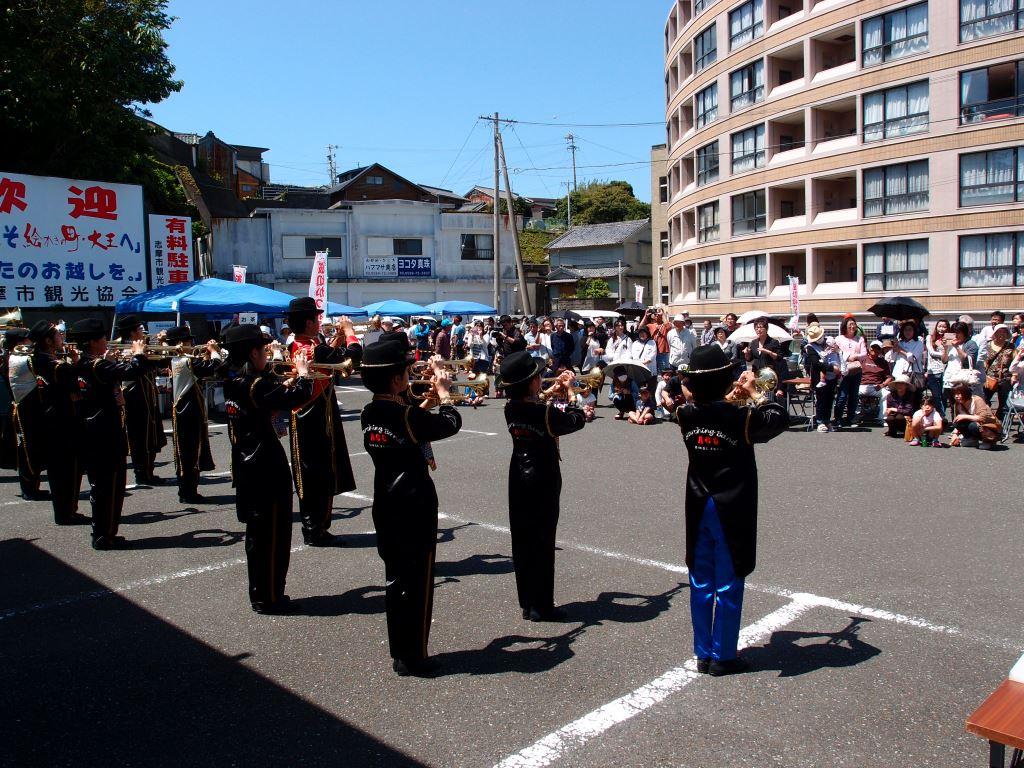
(279, 607)
(191, 498)
(703, 665)
(418, 668)
(151, 480)
(36, 496)
(104, 543)
(323, 539)
(728, 667)
(549, 614)
(75, 518)
(526, 613)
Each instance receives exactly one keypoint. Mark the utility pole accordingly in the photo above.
(332, 166)
(496, 222)
(520, 270)
(568, 203)
(572, 149)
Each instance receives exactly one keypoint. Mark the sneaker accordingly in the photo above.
(824, 428)
(984, 446)
(969, 442)
(915, 441)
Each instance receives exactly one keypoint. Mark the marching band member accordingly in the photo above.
(32, 437)
(320, 461)
(404, 498)
(260, 472)
(721, 501)
(534, 482)
(191, 430)
(13, 337)
(141, 408)
(101, 426)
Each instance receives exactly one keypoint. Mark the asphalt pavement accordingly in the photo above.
(885, 607)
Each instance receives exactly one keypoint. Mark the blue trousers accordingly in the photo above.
(716, 593)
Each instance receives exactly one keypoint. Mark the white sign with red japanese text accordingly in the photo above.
(639, 293)
(238, 273)
(794, 301)
(69, 242)
(170, 250)
(318, 280)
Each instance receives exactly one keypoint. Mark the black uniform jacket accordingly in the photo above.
(47, 415)
(142, 408)
(404, 499)
(259, 466)
(720, 439)
(535, 428)
(99, 403)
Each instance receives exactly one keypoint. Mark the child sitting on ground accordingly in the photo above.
(926, 424)
(644, 413)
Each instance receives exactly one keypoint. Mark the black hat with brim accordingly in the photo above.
(179, 334)
(708, 359)
(15, 336)
(240, 336)
(387, 354)
(400, 336)
(518, 368)
(302, 304)
(127, 324)
(88, 329)
(39, 331)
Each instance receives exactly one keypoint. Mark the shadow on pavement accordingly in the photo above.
(207, 537)
(474, 565)
(347, 513)
(143, 518)
(104, 683)
(362, 600)
(797, 653)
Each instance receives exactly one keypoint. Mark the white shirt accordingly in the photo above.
(680, 345)
(617, 348)
(645, 353)
(589, 358)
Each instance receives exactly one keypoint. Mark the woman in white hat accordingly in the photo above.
(899, 406)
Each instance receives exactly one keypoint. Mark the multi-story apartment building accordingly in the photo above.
(659, 222)
(867, 147)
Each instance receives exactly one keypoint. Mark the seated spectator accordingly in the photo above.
(670, 394)
(645, 407)
(962, 357)
(974, 424)
(996, 359)
(588, 403)
(899, 406)
(622, 393)
(926, 424)
(876, 376)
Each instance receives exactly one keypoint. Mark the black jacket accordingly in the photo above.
(99, 404)
(535, 428)
(404, 499)
(719, 440)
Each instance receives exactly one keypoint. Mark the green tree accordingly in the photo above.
(595, 288)
(76, 76)
(600, 202)
(532, 242)
(520, 205)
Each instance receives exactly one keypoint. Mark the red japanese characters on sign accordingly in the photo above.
(318, 280)
(170, 252)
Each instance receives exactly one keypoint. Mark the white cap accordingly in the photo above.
(266, 329)
(678, 319)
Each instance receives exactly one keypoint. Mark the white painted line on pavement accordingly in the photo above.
(580, 731)
(478, 432)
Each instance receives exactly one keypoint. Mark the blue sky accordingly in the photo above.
(401, 82)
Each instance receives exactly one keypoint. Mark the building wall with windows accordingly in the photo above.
(867, 147)
(394, 249)
(659, 223)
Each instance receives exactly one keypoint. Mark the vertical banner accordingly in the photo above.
(318, 280)
(171, 257)
(238, 273)
(70, 242)
(794, 301)
(639, 293)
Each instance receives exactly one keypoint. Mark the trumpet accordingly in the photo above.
(457, 364)
(767, 381)
(344, 369)
(424, 389)
(287, 368)
(582, 385)
(11, 319)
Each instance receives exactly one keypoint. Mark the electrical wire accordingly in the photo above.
(456, 158)
(530, 159)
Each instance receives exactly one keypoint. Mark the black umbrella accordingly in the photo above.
(568, 314)
(631, 309)
(900, 308)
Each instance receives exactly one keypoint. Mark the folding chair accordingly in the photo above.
(1014, 410)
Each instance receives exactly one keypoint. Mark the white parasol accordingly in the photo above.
(751, 316)
(747, 333)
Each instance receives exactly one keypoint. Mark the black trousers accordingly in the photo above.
(315, 509)
(409, 602)
(65, 478)
(106, 468)
(268, 541)
(143, 457)
(533, 524)
(1002, 392)
(28, 473)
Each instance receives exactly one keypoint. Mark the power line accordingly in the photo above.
(530, 159)
(456, 158)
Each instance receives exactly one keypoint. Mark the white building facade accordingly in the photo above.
(390, 249)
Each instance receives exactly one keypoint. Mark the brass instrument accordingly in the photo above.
(287, 368)
(457, 364)
(423, 389)
(582, 385)
(344, 369)
(11, 319)
(767, 381)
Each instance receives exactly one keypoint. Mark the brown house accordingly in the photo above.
(375, 182)
(239, 168)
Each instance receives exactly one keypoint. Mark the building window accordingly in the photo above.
(895, 189)
(376, 181)
(748, 149)
(700, 5)
(992, 93)
(298, 247)
(750, 276)
(992, 261)
(894, 112)
(748, 212)
(985, 18)
(705, 105)
(708, 282)
(746, 23)
(707, 222)
(408, 246)
(705, 49)
(746, 85)
(477, 247)
(664, 245)
(895, 35)
(707, 164)
(996, 176)
(901, 265)
(663, 189)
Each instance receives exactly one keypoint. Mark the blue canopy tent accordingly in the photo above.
(395, 307)
(461, 308)
(334, 309)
